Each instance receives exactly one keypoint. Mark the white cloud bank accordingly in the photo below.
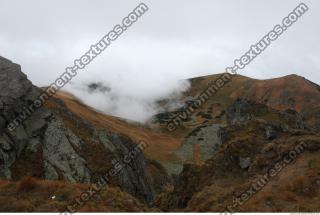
(172, 41)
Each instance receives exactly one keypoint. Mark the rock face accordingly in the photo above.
(244, 163)
(239, 112)
(200, 145)
(43, 146)
(271, 132)
(208, 138)
(134, 178)
(42, 130)
(59, 154)
(242, 111)
(245, 156)
(293, 118)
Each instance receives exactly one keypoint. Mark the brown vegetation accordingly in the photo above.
(33, 195)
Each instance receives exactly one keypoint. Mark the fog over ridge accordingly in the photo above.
(172, 42)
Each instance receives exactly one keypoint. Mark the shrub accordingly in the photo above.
(26, 184)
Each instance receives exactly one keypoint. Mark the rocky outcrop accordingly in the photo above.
(244, 163)
(245, 156)
(103, 150)
(198, 147)
(206, 138)
(41, 129)
(133, 179)
(240, 111)
(44, 145)
(293, 118)
(60, 156)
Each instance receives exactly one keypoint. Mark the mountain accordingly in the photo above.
(289, 92)
(56, 144)
(233, 139)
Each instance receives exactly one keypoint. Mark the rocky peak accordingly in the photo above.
(44, 146)
(13, 83)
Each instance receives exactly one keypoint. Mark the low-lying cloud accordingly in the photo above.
(173, 41)
(137, 75)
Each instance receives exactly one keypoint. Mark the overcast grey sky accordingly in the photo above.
(172, 41)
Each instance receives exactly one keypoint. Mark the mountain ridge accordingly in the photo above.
(236, 136)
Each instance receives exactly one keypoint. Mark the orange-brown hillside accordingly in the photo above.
(160, 144)
(33, 195)
(241, 133)
(288, 92)
(215, 185)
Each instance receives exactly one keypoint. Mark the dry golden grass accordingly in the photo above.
(33, 195)
(160, 144)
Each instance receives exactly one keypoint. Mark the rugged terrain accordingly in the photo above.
(247, 128)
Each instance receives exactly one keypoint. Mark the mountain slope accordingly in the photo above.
(289, 92)
(34, 195)
(236, 137)
(46, 146)
(254, 150)
(165, 146)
